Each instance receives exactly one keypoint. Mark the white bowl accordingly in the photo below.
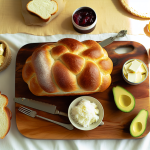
(92, 126)
(133, 83)
(82, 29)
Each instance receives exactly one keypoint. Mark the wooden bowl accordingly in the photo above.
(7, 55)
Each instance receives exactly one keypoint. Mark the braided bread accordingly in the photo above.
(68, 67)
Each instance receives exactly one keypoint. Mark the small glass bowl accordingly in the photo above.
(134, 83)
(84, 29)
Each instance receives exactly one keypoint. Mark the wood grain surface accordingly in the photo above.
(116, 123)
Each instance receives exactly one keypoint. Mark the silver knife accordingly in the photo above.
(40, 106)
(108, 41)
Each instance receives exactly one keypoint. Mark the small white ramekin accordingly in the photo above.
(82, 29)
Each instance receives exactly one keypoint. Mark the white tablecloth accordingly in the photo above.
(15, 141)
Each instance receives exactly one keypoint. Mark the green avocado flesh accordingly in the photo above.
(124, 100)
(138, 124)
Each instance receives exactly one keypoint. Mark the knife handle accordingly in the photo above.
(61, 113)
(68, 126)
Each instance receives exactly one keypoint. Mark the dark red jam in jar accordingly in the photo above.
(84, 17)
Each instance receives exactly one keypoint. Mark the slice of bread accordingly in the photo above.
(43, 8)
(5, 116)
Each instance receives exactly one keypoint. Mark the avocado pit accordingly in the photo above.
(124, 100)
(137, 127)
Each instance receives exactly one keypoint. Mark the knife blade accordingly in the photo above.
(39, 105)
(108, 41)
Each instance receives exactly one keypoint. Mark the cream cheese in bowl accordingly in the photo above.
(86, 113)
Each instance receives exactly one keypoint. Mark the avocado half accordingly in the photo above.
(138, 125)
(124, 100)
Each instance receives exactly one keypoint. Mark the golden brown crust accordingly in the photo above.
(72, 45)
(106, 81)
(57, 8)
(89, 79)
(106, 65)
(94, 50)
(58, 51)
(73, 62)
(65, 80)
(8, 114)
(69, 67)
(34, 86)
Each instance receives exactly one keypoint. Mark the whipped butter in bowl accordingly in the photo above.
(5, 55)
(86, 113)
(134, 71)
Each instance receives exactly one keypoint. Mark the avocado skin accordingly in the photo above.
(134, 120)
(116, 101)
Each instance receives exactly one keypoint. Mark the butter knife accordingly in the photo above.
(108, 41)
(40, 106)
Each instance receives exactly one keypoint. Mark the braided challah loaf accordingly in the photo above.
(68, 67)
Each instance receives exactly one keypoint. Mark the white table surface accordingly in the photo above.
(15, 141)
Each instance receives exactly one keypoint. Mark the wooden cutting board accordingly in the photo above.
(116, 123)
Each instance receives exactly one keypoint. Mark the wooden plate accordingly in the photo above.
(116, 123)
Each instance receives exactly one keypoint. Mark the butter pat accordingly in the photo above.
(2, 47)
(126, 68)
(132, 77)
(135, 66)
(142, 69)
(1, 59)
(128, 65)
(139, 77)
